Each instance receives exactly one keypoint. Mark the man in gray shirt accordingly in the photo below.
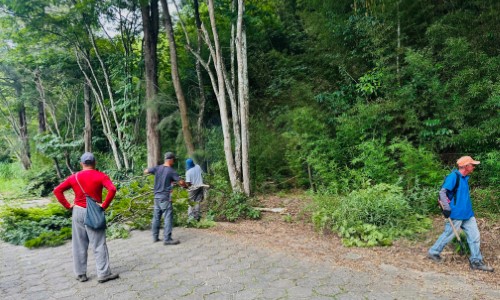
(194, 181)
(165, 177)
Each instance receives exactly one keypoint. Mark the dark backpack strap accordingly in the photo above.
(455, 189)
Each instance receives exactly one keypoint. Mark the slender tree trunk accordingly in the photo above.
(23, 130)
(243, 95)
(234, 103)
(87, 131)
(41, 103)
(58, 168)
(103, 111)
(201, 111)
(181, 100)
(235, 183)
(150, 21)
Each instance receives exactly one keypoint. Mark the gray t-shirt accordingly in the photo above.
(164, 177)
(194, 177)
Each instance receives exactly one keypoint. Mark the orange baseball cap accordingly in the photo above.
(467, 160)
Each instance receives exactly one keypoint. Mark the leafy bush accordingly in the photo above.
(35, 227)
(233, 207)
(375, 163)
(488, 173)
(41, 182)
(50, 238)
(485, 202)
(222, 203)
(422, 199)
(369, 217)
(417, 164)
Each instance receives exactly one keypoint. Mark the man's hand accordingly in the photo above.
(446, 213)
(146, 171)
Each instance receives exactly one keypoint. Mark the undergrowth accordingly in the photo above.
(374, 216)
(35, 227)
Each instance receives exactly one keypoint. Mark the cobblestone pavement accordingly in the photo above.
(209, 266)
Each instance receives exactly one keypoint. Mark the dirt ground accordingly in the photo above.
(292, 233)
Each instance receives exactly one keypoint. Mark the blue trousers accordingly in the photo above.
(469, 226)
(163, 207)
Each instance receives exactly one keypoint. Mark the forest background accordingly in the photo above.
(364, 104)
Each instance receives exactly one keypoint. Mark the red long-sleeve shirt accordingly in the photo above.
(92, 182)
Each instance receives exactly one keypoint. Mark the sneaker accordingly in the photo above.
(156, 240)
(108, 278)
(171, 242)
(479, 265)
(435, 257)
(82, 278)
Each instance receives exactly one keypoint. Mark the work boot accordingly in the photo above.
(107, 278)
(171, 242)
(82, 278)
(479, 265)
(435, 257)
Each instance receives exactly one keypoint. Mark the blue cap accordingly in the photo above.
(189, 164)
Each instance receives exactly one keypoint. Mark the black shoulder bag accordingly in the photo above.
(94, 217)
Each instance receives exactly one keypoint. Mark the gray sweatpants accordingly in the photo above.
(82, 237)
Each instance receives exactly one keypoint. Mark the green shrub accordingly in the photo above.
(41, 182)
(485, 202)
(417, 165)
(37, 225)
(50, 238)
(369, 217)
(375, 163)
(488, 172)
(232, 207)
(422, 199)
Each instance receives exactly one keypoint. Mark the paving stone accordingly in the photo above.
(208, 266)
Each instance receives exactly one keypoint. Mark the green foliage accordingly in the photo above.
(422, 199)
(488, 172)
(35, 227)
(117, 231)
(132, 204)
(202, 224)
(12, 182)
(417, 164)
(232, 207)
(369, 217)
(374, 162)
(41, 182)
(50, 238)
(485, 202)
(457, 247)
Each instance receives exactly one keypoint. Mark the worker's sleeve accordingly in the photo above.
(443, 199)
(59, 193)
(108, 184)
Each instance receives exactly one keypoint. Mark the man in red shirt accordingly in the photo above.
(92, 183)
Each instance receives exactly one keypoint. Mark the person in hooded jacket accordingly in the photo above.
(194, 181)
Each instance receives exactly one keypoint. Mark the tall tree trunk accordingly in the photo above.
(150, 21)
(181, 100)
(243, 96)
(234, 102)
(23, 130)
(87, 131)
(41, 103)
(221, 98)
(201, 110)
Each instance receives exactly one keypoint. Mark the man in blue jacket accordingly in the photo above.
(455, 200)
